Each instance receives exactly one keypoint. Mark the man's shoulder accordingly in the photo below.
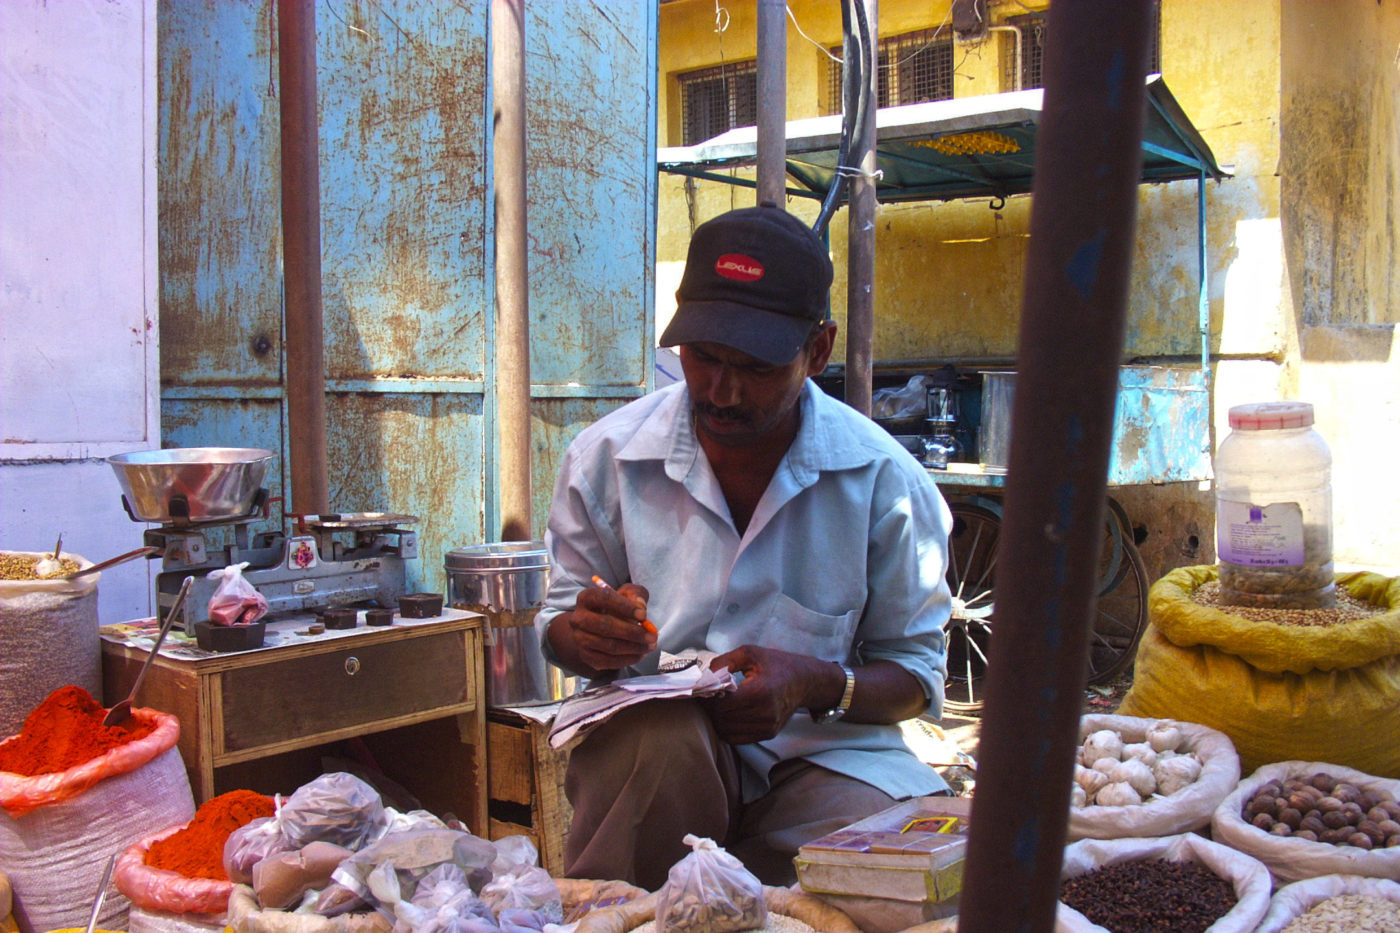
(652, 413)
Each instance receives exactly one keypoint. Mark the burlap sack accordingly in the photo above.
(1280, 692)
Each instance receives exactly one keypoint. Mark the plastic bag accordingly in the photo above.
(410, 857)
(529, 889)
(442, 901)
(1294, 900)
(1248, 875)
(907, 401)
(1186, 810)
(338, 808)
(710, 891)
(251, 843)
(235, 601)
(1291, 859)
(160, 889)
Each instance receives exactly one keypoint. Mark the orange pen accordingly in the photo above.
(603, 584)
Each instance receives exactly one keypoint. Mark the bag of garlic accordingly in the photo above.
(709, 891)
(1148, 777)
(1308, 689)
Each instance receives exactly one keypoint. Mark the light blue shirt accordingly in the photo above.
(844, 559)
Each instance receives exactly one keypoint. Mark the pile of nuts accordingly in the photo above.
(1322, 808)
(1110, 772)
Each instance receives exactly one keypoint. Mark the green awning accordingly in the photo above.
(941, 150)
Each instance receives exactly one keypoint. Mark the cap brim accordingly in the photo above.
(765, 335)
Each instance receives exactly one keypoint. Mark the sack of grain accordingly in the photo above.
(144, 920)
(1356, 904)
(245, 916)
(1296, 687)
(48, 635)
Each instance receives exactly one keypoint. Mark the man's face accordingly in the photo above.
(739, 400)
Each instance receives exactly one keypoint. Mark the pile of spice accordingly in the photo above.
(64, 731)
(1152, 896)
(197, 851)
(26, 566)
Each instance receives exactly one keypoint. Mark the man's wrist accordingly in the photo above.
(835, 713)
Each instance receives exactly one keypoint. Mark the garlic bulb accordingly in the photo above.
(1141, 751)
(1077, 797)
(1164, 736)
(1136, 774)
(1102, 744)
(1089, 779)
(1118, 794)
(1175, 773)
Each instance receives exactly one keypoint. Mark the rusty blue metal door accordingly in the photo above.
(407, 259)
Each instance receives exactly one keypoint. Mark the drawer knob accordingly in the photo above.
(352, 665)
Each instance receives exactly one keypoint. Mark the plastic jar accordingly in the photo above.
(1273, 509)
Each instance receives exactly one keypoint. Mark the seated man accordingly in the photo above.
(751, 516)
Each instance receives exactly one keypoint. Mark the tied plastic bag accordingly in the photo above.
(251, 843)
(235, 601)
(710, 891)
(907, 401)
(519, 888)
(391, 869)
(338, 808)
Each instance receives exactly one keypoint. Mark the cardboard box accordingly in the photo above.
(913, 851)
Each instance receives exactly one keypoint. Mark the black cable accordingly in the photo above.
(855, 83)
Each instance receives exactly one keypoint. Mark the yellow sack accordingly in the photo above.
(1280, 692)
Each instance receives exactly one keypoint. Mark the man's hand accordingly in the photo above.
(775, 685)
(603, 632)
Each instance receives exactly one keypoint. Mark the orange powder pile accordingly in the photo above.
(197, 851)
(66, 730)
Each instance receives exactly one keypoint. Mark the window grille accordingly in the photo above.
(914, 67)
(1032, 28)
(717, 99)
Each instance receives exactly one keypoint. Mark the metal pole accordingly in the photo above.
(860, 219)
(1087, 169)
(772, 100)
(301, 255)
(512, 270)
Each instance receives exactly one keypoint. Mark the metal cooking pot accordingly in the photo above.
(506, 582)
(994, 436)
(203, 483)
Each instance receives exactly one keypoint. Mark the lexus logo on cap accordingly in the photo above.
(739, 267)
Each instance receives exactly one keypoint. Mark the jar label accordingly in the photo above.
(1259, 535)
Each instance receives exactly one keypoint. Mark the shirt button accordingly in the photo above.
(732, 608)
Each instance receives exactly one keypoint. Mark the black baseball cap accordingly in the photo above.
(756, 279)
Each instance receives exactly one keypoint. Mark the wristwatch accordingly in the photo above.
(836, 712)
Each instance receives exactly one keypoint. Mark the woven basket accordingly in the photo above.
(784, 902)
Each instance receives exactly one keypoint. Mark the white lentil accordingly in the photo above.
(1348, 913)
(1347, 609)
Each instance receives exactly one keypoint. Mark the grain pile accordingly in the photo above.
(1348, 913)
(23, 566)
(1347, 609)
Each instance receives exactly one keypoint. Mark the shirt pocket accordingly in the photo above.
(796, 628)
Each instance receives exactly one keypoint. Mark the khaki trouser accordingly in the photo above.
(658, 770)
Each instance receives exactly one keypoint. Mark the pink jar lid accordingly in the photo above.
(1271, 416)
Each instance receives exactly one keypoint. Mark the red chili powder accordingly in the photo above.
(197, 851)
(66, 730)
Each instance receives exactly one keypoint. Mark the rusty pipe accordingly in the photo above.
(512, 270)
(1087, 169)
(772, 101)
(860, 220)
(301, 255)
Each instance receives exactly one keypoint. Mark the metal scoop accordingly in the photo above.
(101, 895)
(110, 562)
(122, 711)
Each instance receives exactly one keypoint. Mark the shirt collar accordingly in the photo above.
(826, 439)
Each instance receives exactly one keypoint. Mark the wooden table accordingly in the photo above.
(409, 698)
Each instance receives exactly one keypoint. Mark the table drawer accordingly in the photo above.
(281, 701)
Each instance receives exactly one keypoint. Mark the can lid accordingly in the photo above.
(498, 556)
(1271, 416)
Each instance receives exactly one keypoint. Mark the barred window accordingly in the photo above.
(914, 67)
(717, 99)
(1032, 29)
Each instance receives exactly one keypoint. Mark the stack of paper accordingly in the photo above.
(584, 711)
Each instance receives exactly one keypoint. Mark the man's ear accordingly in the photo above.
(822, 346)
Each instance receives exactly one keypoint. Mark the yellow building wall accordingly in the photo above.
(1296, 98)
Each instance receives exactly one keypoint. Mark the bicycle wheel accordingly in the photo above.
(972, 556)
(1120, 614)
